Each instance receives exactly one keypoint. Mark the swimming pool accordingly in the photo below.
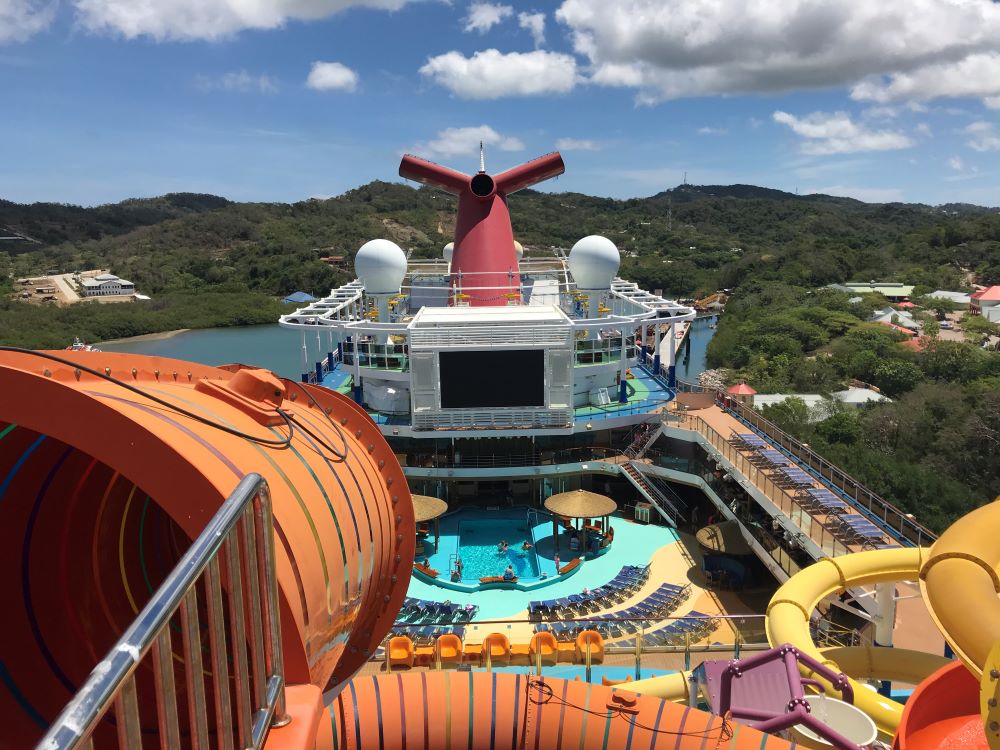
(477, 546)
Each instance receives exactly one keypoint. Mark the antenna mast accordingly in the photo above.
(482, 159)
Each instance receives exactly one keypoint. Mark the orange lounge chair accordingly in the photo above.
(401, 653)
(596, 647)
(544, 644)
(448, 648)
(498, 647)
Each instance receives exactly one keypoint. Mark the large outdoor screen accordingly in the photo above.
(475, 380)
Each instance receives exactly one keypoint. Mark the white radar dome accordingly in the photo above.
(381, 266)
(518, 249)
(594, 261)
(449, 250)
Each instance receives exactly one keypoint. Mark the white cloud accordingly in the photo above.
(956, 163)
(534, 23)
(866, 194)
(240, 81)
(976, 75)
(577, 144)
(835, 133)
(708, 130)
(993, 102)
(983, 136)
(923, 128)
(21, 19)
(463, 141)
(206, 19)
(484, 16)
(676, 48)
(490, 74)
(331, 76)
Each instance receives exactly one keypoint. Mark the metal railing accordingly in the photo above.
(899, 524)
(242, 534)
(377, 356)
(507, 460)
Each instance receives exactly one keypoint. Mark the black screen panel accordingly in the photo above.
(481, 379)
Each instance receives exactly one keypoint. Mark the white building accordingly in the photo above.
(106, 284)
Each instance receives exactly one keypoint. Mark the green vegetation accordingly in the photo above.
(37, 327)
(932, 451)
(207, 262)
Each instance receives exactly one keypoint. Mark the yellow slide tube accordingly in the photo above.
(790, 608)
(960, 580)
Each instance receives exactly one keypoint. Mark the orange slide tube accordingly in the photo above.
(102, 489)
(502, 711)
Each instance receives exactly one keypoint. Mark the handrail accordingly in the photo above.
(898, 523)
(244, 524)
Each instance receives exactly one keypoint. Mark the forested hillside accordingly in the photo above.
(206, 261)
(685, 241)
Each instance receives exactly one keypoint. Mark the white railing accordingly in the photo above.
(242, 534)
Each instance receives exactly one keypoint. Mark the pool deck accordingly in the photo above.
(672, 559)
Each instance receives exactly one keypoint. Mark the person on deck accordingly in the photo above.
(508, 575)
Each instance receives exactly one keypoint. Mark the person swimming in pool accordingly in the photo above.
(502, 547)
(526, 545)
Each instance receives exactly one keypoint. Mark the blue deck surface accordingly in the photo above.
(634, 545)
(646, 393)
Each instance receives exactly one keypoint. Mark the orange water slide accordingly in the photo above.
(503, 711)
(104, 484)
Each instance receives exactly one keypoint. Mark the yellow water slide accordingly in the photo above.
(788, 622)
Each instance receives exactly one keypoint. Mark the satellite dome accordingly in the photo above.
(594, 261)
(448, 251)
(380, 265)
(518, 249)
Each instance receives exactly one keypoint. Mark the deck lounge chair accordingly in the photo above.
(595, 642)
(545, 646)
(448, 649)
(498, 647)
(401, 652)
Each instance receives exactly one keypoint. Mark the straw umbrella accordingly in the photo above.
(427, 508)
(579, 504)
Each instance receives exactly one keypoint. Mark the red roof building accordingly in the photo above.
(989, 297)
(741, 390)
(895, 327)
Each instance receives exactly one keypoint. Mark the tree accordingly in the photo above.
(895, 377)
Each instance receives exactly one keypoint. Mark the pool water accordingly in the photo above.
(477, 546)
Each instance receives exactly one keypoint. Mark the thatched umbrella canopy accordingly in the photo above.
(578, 504)
(723, 537)
(581, 504)
(427, 508)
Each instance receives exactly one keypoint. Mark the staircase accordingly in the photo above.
(669, 509)
(642, 439)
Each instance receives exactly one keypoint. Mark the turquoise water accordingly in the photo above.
(691, 362)
(271, 346)
(635, 544)
(477, 546)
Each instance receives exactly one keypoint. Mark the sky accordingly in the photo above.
(283, 100)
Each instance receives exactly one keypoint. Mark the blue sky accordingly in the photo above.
(281, 100)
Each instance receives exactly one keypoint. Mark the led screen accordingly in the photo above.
(479, 379)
